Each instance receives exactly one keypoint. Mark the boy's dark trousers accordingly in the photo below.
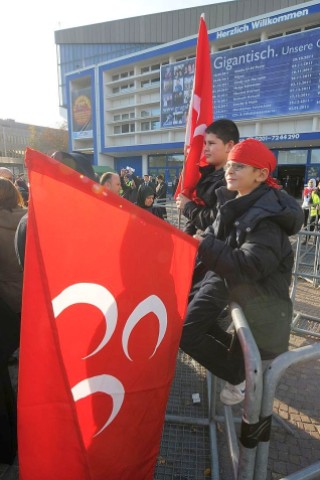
(202, 336)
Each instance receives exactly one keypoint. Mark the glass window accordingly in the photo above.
(175, 160)
(155, 67)
(124, 74)
(131, 114)
(132, 127)
(296, 157)
(116, 130)
(145, 83)
(125, 116)
(155, 125)
(115, 90)
(145, 126)
(115, 77)
(125, 128)
(144, 113)
(116, 118)
(145, 69)
(315, 155)
(157, 160)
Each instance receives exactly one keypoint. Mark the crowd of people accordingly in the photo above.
(242, 220)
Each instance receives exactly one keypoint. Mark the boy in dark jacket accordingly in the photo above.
(249, 260)
(220, 137)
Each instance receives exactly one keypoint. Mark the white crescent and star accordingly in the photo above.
(106, 384)
(92, 294)
(101, 298)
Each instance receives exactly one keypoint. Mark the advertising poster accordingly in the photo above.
(82, 113)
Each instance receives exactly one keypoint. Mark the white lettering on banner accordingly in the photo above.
(100, 297)
(233, 31)
(101, 384)
(264, 22)
(286, 50)
(280, 18)
(229, 63)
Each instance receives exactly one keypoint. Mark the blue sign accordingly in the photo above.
(273, 78)
(268, 79)
(284, 16)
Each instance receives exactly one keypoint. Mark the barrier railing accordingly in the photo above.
(258, 405)
(306, 268)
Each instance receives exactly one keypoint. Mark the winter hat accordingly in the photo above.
(255, 153)
(6, 173)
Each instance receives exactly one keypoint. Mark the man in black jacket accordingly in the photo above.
(220, 137)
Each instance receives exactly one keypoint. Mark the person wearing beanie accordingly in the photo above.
(247, 258)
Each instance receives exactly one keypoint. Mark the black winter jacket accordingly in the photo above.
(202, 216)
(248, 246)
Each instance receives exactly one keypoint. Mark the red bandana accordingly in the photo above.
(255, 153)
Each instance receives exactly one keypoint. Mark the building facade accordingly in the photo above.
(129, 109)
(15, 137)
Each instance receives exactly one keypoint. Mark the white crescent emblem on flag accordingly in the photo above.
(151, 304)
(199, 130)
(92, 294)
(106, 384)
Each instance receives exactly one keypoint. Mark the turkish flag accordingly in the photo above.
(200, 115)
(105, 294)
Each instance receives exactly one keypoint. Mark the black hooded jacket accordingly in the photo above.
(248, 246)
(143, 193)
(201, 216)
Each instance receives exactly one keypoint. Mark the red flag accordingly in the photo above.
(200, 115)
(105, 294)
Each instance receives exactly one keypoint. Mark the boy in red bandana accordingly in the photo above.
(248, 258)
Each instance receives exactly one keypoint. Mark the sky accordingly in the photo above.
(29, 81)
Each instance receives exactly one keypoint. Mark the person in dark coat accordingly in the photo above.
(145, 200)
(220, 137)
(249, 260)
(161, 194)
(11, 211)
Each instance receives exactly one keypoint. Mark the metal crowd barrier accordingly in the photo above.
(306, 268)
(250, 457)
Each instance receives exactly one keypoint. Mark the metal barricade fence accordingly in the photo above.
(173, 216)
(306, 269)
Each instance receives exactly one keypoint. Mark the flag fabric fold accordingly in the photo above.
(200, 115)
(105, 294)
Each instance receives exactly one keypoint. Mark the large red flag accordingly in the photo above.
(200, 115)
(105, 293)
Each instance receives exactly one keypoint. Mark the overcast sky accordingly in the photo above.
(29, 85)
